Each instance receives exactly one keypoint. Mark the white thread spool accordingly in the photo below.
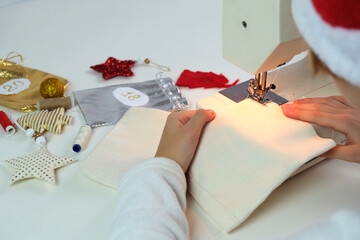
(30, 132)
(82, 138)
(41, 140)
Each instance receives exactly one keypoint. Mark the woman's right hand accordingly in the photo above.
(336, 113)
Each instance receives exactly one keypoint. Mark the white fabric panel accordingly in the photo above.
(244, 154)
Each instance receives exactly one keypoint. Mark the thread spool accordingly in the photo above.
(82, 138)
(6, 123)
(30, 132)
(52, 103)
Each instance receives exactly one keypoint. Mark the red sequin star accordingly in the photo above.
(113, 67)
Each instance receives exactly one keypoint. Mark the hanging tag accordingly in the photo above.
(130, 96)
(14, 86)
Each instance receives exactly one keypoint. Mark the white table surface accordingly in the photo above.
(66, 38)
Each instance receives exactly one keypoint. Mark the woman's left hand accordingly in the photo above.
(181, 135)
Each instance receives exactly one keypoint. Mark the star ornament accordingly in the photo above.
(39, 165)
(113, 67)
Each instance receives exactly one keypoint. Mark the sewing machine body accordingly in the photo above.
(260, 37)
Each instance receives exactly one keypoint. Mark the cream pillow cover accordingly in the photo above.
(245, 153)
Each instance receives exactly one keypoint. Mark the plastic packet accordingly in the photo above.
(106, 105)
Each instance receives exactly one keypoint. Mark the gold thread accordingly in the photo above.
(17, 55)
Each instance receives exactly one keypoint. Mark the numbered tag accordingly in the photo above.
(130, 96)
(14, 86)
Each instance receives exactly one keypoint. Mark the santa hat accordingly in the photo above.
(332, 30)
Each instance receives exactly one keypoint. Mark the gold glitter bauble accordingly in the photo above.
(51, 87)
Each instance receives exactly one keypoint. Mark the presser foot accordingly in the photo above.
(240, 92)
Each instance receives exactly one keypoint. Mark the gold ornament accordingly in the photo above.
(39, 165)
(51, 88)
(45, 120)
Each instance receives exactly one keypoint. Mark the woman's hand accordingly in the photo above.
(181, 135)
(333, 112)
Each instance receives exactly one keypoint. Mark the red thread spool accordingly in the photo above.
(6, 123)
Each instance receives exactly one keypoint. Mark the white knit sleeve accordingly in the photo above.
(151, 202)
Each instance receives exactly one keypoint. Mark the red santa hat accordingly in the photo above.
(332, 29)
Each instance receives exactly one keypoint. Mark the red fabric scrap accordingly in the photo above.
(203, 79)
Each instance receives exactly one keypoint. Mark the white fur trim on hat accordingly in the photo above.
(337, 47)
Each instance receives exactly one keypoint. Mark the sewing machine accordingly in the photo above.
(261, 38)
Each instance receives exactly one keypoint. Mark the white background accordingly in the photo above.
(66, 38)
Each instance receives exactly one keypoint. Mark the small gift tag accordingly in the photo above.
(14, 86)
(130, 96)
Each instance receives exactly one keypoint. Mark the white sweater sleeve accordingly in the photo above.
(151, 202)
